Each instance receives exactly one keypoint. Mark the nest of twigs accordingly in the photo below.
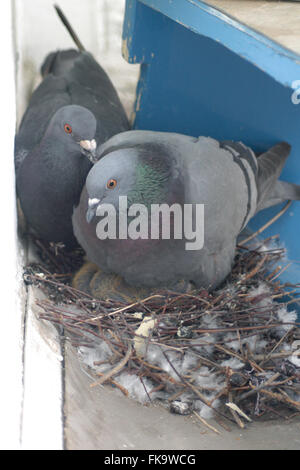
(235, 351)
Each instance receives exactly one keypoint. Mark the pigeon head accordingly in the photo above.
(142, 173)
(76, 127)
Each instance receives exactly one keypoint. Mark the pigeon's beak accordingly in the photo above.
(91, 212)
(88, 148)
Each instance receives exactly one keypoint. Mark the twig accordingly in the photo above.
(264, 227)
(280, 272)
(255, 269)
(237, 419)
(183, 321)
(258, 388)
(194, 389)
(275, 355)
(234, 407)
(116, 384)
(281, 397)
(115, 370)
(203, 421)
(275, 347)
(119, 310)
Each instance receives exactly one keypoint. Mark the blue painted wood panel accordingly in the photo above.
(203, 73)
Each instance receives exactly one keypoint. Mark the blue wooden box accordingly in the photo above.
(204, 73)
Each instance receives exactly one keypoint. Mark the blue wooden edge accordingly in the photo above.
(260, 114)
(269, 56)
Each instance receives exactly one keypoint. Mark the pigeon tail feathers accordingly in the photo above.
(270, 190)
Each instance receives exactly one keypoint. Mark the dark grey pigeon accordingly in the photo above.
(74, 109)
(156, 168)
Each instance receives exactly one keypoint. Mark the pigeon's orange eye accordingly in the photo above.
(68, 128)
(111, 184)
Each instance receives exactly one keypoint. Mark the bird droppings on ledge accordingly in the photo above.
(230, 353)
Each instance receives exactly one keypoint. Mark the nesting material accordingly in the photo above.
(233, 353)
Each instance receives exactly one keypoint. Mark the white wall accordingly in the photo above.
(11, 320)
(31, 391)
(98, 24)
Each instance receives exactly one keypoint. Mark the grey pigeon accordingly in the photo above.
(74, 109)
(155, 168)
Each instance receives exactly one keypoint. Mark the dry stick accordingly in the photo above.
(147, 364)
(265, 242)
(264, 227)
(236, 417)
(115, 370)
(209, 362)
(283, 294)
(293, 301)
(283, 382)
(288, 397)
(176, 395)
(297, 413)
(255, 269)
(262, 357)
(174, 348)
(243, 328)
(119, 310)
(280, 272)
(48, 253)
(177, 301)
(258, 388)
(68, 288)
(255, 366)
(221, 423)
(195, 390)
(238, 356)
(146, 391)
(272, 410)
(79, 329)
(164, 376)
(191, 296)
(276, 346)
(157, 388)
(116, 384)
(234, 407)
(108, 342)
(203, 421)
(62, 312)
(273, 273)
(281, 397)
